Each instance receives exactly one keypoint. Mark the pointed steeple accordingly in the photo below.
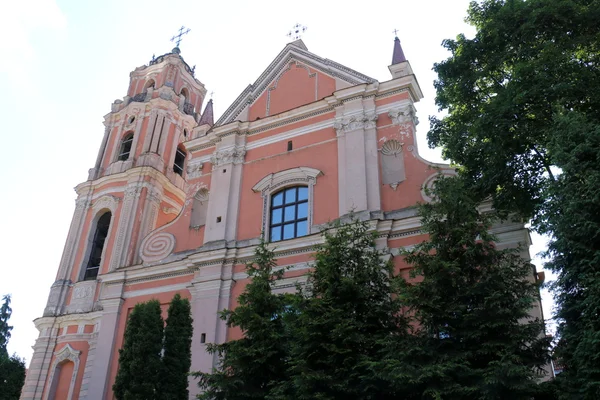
(207, 116)
(400, 66)
(398, 55)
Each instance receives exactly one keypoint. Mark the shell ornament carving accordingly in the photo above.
(391, 148)
(157, 247)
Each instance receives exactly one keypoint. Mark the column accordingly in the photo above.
(104, 351)
(225, 186)
(211, 293)
(40, 363)
(58, 291)
(357, 158)
(125, 225)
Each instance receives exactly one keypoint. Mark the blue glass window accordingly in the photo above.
(289, 214)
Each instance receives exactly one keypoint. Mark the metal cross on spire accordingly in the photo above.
(395, 32)
(177, 38)
(297, 31)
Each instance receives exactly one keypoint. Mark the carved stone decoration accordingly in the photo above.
(199, 208)
(106, 202)
(233, 155)
(194, 169)
(392, 163)
(82, 297)
(64, 355)
(356, 121)
(405, 117)
(391, 148)
(429, 182)
(157, 246)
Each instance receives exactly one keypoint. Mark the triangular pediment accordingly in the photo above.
(294, 55)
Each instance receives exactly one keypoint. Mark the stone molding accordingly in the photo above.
(233, 155)
(82, 297)
(67, 353)
(106, 202)
(404, 115)
(279, 180)
(354, 122)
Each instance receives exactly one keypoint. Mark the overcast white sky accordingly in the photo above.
(64, 62)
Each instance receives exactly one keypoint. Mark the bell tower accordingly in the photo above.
(138, 173)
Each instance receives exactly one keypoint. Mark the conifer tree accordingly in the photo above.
(140, 358)
(177, 357)
(472, 303)
(250, 367)
(341, 319)
(12, 368)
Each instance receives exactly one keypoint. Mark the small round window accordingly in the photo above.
(131, 119)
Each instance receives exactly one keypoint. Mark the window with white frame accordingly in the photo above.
(289, 214)
(287, 202)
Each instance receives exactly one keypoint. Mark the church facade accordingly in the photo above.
(176, 203)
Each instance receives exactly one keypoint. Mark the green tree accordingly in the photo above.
(342, 319)
(12, 368)
(250, 367)
(177, 357)
(12, 377)
(522, 110)
(573, 217)
(140, 358)
(5, 328)
(472, 304)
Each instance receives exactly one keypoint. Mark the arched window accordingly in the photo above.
(179, 161)
(93, 265)
(125, 147)
(289, 214)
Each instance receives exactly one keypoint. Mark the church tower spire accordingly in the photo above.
(400, 66)
(398, 55)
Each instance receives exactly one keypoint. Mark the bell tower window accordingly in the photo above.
(125, 147)
(179, 161)
(93, 265)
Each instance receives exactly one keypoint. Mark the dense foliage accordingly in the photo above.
(523, 126)
(342, 319)
(177, 356)
(12, 368)
(140, 365)
(472, 303)
(250, 367)
(359, 330)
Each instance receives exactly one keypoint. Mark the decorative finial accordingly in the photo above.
(177, 38)
(395, 32)
(211, 94)
(297, 31)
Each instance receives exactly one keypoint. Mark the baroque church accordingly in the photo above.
(176, 202)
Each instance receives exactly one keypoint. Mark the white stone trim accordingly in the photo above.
(290, 53)
(64, 354)
(304, 176)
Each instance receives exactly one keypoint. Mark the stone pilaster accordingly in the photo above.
(87, 372)
(58, 291)
(225, 186)
(211, 293)
(98, 371)
(358, 170)
(125, 225)
(38, 371)
(150, 213)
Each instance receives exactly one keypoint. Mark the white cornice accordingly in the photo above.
(128, 176)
